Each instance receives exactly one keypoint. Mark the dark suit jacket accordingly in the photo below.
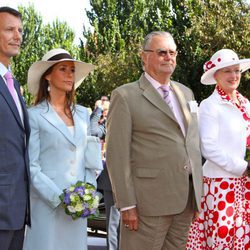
(14, 162)
(103, 181)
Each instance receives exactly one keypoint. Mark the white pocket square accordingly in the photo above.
(193, 105)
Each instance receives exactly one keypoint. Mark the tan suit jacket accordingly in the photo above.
(147, 153)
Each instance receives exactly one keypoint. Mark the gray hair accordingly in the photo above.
(147, 40)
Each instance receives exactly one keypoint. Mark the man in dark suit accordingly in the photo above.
(14, 136)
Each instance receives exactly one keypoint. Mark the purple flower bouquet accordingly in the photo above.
(80, 200)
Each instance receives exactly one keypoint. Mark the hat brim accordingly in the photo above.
(37, 69)
(208, 77)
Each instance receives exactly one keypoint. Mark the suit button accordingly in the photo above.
(72, 162)
(72, 148)
(187, 168)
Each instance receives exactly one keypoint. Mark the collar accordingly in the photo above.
(3, 70)
(242, 100)
(243, 107)
(155, 83)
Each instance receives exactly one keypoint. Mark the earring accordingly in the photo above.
(48, 88)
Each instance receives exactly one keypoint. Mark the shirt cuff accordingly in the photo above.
(127, 208)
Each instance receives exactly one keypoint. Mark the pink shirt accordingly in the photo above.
(175, 103)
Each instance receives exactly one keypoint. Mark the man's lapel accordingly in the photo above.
(53, 118)
(79, 136)
(24, 109)
(150, 93)
(11, 103)
(183, 105)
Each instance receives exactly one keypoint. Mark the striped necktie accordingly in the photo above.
(165, 91)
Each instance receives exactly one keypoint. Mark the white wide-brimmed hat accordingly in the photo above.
(52, 57)
(221, 59)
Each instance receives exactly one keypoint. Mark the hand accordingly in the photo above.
(105, 105)
(195, 216)
(130, 218)
(98, 104)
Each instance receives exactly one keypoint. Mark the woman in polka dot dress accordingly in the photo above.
(224, 124)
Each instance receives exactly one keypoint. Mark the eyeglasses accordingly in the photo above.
(163, 52)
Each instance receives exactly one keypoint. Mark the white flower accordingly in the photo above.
(87, 197)
(79, 207)
(96, 202)
(72, 197)
(71, 209)
(193, 105)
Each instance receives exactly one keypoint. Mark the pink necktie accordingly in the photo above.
(166, 97)
(10, 85)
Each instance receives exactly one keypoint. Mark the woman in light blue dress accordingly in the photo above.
(59, 151)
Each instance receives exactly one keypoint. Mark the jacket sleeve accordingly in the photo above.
(118, 142)
(41, 183)
(91, 163)
(97, 129)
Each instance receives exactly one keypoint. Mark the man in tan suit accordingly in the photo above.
(153, 154)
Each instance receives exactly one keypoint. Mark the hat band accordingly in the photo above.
(60, 56)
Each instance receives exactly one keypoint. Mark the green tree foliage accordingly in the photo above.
(38, 38)
(32, 26)
(118, 28)
(199, 28)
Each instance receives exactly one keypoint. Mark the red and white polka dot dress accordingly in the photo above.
(224, 222)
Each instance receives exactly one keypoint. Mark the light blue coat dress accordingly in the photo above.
(57, 160)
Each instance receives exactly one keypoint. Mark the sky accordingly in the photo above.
(72, 12)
